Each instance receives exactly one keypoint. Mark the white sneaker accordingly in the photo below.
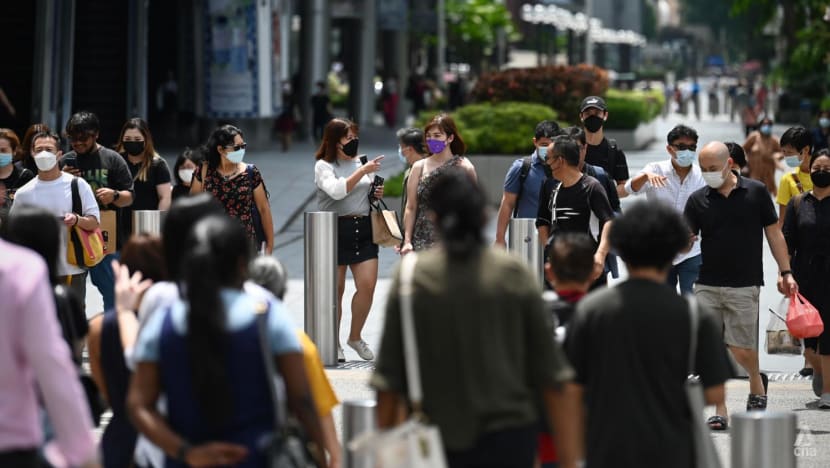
(824, 402)
(340, 356)
(362, 349)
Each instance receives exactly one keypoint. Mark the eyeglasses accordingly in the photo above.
(682, 147)
(80, 138)
(238, 147)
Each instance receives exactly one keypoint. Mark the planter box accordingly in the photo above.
(637, 139)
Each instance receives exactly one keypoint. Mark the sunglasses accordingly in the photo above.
(81, 137)
(238, 147)
(682, 147)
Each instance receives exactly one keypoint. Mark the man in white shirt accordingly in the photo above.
(52, 190)
(672, 181)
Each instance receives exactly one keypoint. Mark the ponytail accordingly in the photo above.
(458, 203)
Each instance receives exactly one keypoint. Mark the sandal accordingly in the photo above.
(717, 423)
(756, 402)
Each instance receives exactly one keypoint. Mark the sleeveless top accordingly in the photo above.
(252, 419)
(423, 233)
(119, 439)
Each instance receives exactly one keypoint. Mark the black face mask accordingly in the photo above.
(593, 123)
(134, 147)
(820, 179)
(350, 148)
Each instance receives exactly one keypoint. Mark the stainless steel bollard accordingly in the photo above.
(763, 439)
(321, 283)
(524, 242)
(358, 417)
(148, 221)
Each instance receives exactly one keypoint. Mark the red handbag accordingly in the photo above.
(803, 319)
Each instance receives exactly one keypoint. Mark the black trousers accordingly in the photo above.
(510, 448)
(20, 459)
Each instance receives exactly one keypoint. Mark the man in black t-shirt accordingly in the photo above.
(730, 214)
(108, 175)
(568, 203)
(593, 113)
(630, 347)
(320, 110)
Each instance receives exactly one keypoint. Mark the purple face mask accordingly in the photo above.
(436, 146)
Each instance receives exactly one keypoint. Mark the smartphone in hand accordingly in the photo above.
(71, 161)
(363, 159)
(377, 182)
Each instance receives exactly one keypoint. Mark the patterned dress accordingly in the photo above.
(235, 194)
(423, 233)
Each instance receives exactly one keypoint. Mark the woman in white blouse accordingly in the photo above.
(343, 186)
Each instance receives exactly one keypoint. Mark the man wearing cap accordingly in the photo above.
(593, 112)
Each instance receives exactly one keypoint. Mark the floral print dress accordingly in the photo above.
(236, 193)
(423, 233)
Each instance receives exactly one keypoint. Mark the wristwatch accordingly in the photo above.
(786, 272)
(116, 195)
(181, 453)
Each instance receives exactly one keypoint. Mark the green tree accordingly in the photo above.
(474, 29)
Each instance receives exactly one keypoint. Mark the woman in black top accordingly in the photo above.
(151, 176)
(183, 169)
(807, 231)
(12, 177)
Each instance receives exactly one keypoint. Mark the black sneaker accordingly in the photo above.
(756, 402)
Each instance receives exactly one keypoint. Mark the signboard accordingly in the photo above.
(392, 14)
(230, 61)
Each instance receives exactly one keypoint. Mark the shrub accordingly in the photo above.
(499, 128)
(558, 86)
(627, 109)
(393, 186)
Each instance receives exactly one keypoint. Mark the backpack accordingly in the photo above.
(527, 161)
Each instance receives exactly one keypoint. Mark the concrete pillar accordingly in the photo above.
(53, 62)
(315, 52)
(365, 93)
(402, 70)
(137, 29)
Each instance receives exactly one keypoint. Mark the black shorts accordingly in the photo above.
(354, 240)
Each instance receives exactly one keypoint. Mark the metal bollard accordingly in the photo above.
(321, 283)
(524, 242)
(148, 221)
(763, 439)
(358, 417)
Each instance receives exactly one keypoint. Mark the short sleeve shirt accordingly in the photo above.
(239, 307)
(235, 194)
(18, 178)
(598, 155)
(731, 231)
(528, 203)
(324, 397)
(789, 185)
(574, 206)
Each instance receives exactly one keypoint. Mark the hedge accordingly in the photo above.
(497, 128)
(561, 87)
(627, 109)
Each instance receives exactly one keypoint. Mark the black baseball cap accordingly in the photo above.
(593, 101)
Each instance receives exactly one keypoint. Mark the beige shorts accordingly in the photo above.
(736, 309)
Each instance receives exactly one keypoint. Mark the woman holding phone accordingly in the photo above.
(343, 185)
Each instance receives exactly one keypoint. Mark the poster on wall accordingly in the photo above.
(231, 59)
(277, 85)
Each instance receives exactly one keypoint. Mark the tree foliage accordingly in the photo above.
(474, 28)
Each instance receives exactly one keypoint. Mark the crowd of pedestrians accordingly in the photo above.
(515, 372)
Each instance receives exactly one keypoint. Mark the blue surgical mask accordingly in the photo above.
(5, 159)
(792, 161)
(824, 122)
(401, 156)
(686, 158)
(765, 129)
(542, 151)
(236, 156)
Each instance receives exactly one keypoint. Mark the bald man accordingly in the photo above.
(730, 214)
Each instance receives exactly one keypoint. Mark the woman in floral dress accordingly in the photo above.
(446, 150)
(238, 186)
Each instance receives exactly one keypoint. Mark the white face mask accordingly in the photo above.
(45, 160)
(186, 175)
(715, 179)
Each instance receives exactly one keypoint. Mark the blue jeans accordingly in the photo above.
(103, 278)
(686, 272)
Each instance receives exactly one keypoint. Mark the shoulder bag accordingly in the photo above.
(706, 456)
(85, 248)
(256, 219)
(386, 230)
(413, 444)
(288, 448)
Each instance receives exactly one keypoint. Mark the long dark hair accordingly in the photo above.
(459, 203)
(36, 229)
(216, 258)
(336, 129)
(149, 154)
(183, 214)
(222, 136)
(447, 125)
